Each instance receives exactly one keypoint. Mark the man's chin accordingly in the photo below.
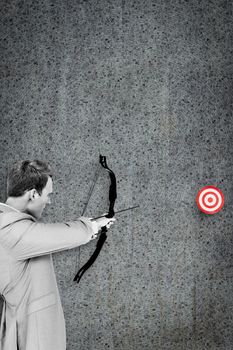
(36, 215)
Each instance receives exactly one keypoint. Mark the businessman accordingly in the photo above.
(32, 315)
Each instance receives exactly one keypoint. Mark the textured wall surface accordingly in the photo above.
(148, 84)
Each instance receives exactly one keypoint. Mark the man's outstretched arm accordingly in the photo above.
(27, 239)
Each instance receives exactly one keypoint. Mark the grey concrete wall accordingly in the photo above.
(148, 84)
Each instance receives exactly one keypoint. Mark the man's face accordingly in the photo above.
(39, 202)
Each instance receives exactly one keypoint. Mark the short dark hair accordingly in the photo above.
(26, 175)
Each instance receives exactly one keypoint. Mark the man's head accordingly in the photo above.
(29, 184)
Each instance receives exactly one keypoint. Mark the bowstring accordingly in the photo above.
(78, 256)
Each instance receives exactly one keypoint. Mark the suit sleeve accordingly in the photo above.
(27, 239)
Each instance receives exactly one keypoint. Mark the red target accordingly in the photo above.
(210, 200)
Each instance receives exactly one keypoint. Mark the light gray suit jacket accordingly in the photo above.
(32, 317)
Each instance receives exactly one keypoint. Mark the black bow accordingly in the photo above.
(103, 234)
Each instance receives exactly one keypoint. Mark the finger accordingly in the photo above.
(109, 224)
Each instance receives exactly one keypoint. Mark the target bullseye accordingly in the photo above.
(210, 200)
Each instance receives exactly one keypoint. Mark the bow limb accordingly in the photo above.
(112, 187)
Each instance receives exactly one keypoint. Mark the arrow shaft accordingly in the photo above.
(116, 212)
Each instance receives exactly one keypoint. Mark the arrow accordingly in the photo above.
(116, 212)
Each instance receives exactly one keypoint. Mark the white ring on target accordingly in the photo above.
(215, 192)
(211, 203)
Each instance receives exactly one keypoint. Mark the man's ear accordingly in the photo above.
(33, 194)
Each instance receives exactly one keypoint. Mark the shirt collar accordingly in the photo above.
(5, 208)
